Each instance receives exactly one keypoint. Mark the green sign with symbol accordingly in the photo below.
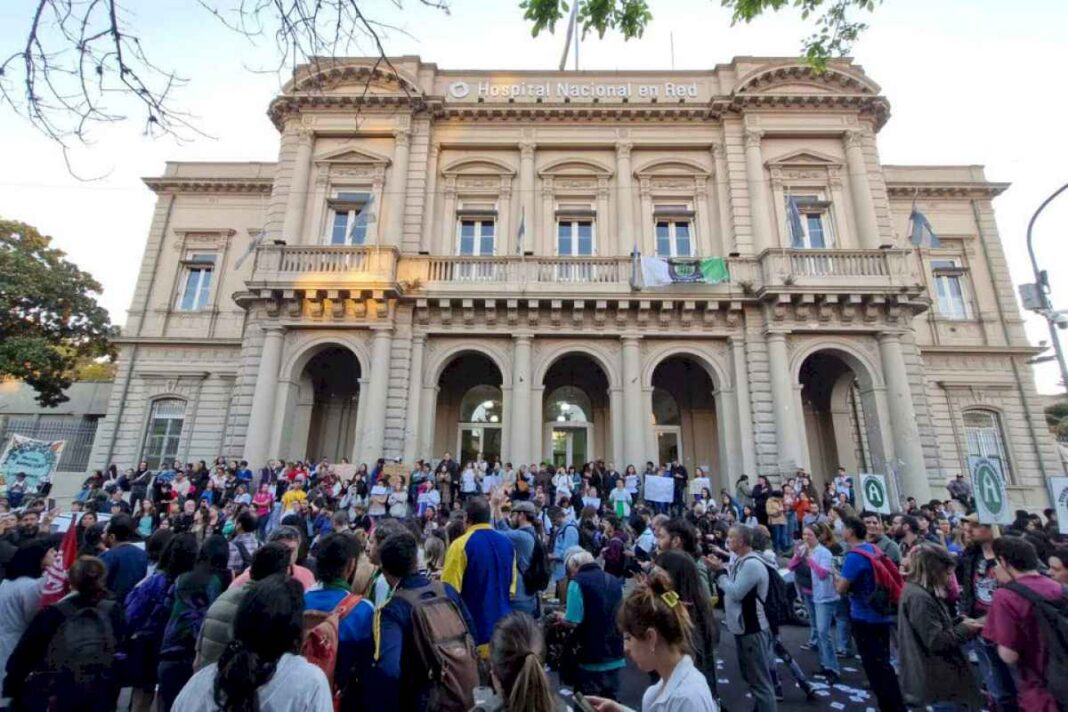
(876, 496)
(991, 498)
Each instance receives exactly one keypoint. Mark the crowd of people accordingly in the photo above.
(476, 585)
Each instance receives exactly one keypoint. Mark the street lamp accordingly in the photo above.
(1036, 296)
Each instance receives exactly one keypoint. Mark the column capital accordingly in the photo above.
(737, 342)
(526, 149)
(523, 337)
(381, 332)
(273, 329)
(853, 138)
(776, 334)
(717, 150)
(630, 338)
(402, 137)
(434, 149)
(890, 335)
(623, 149)
(305, 136)
(753, 138)
(419, 338)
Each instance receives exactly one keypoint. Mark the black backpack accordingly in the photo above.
(80, 658)
(777, 603)
(1052, 616)
(538, 573)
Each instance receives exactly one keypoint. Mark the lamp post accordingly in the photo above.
(1036, 296)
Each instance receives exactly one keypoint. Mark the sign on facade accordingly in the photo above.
(988, 485)
(37, 458)
(874, 493)
(1058, 491)
(659, 489)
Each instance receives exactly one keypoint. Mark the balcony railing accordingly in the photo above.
(835, 268)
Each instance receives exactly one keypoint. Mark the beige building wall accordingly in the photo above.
(796, 329)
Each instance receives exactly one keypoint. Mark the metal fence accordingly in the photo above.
(78, 432)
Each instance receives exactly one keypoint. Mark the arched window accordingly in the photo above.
(164, 432)
(482, 404)
(665, 408)
(568, 404)
(982, 430)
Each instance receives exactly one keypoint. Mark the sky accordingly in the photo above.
(969, 82)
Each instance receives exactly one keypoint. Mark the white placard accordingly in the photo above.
(1058, 490)
(874, 493)
(700, 483)
(659, 489)
(988, 486)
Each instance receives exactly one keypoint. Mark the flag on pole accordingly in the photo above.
(255, 242)
(923, 235)
(635, 269)
(793, 217)
(661, 272)
(56, 585)
(521, 232)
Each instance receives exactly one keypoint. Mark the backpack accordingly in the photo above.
(444, 647)
(322, 636)
(590, 541)
(888, 582)
(777, 602)
(80, 657)
(538, 573)
(1052, 616)
(246, 557)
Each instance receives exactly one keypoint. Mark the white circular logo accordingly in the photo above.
(458, 90)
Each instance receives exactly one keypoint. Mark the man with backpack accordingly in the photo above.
(530, 553)
(423, 649)
(1028, 622)
(874, 586)
(745, 587)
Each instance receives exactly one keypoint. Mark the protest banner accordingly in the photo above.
(874, 493)
(344, 472)
(395, 470)
(37, 458)
(659, 489)
(698, 484)
(1058, 492)
(988, 485)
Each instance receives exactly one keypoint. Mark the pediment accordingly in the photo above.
(336, 77)
(796, 79)
(353, 156)
(576, 167)
(805, 158)
(672, 167)
(478, 166)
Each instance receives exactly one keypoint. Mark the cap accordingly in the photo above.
(524, 507)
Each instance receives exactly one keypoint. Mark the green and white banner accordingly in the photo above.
(660, 272)
(874, 493)
(37, 458)
(1058, 492)
(988, 485)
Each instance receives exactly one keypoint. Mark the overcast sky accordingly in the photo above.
(969, 82)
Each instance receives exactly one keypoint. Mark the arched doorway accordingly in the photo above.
(840, 427)
(470, 409)
(329, 396)
(684, 420)
(575, 412)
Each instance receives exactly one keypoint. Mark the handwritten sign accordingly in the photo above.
(659, 489)
(393, 471)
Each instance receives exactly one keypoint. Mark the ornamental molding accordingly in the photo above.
(945, 190)
(172, 184)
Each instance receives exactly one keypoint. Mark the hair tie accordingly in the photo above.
(670, 598)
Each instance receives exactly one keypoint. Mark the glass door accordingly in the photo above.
(479, 439)
(570, 446)
(668, 444)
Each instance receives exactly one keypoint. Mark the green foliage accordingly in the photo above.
(1057, 419)
(834, 36)
(50, 322)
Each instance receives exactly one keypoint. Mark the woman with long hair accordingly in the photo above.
(686, 581)
(657, 633)
(934, 668)
(261, 670)
(516, 652)
(20, 593)
(87, 520)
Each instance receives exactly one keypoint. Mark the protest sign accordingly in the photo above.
(659, 489)
(874, 493)
(991, 498)
(37, 458)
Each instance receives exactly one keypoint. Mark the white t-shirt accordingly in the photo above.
(620, 499)
(398, 504)
(296, 686)
(468, 481)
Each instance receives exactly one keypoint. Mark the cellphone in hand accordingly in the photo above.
(582, 703)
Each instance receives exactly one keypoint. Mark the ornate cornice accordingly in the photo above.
(171, 184)
(876, 107)
(933, 189)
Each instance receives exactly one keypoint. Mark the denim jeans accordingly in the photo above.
(811, 606)
(791, 525)
(845, 634)
(996, 675)
(825, 612)
(780, 540)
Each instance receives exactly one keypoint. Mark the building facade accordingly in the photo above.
(444, 265)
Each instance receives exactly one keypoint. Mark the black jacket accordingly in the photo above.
(966, 565)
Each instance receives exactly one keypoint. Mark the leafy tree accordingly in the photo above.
(1057, 419)
(50, 322)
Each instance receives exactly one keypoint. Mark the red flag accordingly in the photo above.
(56, 584)
(69, 547)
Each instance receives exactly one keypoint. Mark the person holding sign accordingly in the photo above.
(620, 499)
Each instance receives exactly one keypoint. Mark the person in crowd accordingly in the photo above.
(244, 543)
(1058, 565)
(656, 632)
(46, 672)
(398, 681)
(20, 594)
(777, 522)
(188, 601)
(261, 669)
(877, 536)
(871, 627)
(678, 534)
(520, 684)
(335, 565)
(705, 634)
(820, 563)
(378, 588)
(744, 613)
(481, 566)
(934, 668)
(217, 630)
(961, 490)
(565, 535)
(1013, 625)
(291, 537)
(519, 529)
(127, 564)
(592, 598)
(615, 553)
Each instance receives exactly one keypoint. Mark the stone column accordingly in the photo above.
(759, 202)
(906, 434)
(527, 209)
(412, 431)
(743, 409)
(396, 190)
(789, 427)
(297, 200)
(624, 205)
(426, 239)
(373, 435)
(633, 424)
(728, 241)
(860, 192)
(615, 404)
(261, 417)
(537, 424)
(520, 416)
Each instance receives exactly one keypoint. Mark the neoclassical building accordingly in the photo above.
(444, 264)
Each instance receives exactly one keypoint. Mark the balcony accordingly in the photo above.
(300, 267)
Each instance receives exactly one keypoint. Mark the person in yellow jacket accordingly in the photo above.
(294, 494)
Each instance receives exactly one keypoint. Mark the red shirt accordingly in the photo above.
(1009, 623)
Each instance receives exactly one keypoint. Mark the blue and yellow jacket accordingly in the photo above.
(481, 565)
